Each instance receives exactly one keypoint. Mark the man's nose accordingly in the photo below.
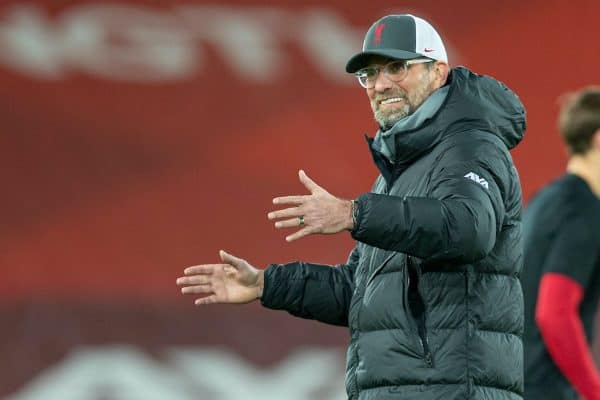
(382, 82)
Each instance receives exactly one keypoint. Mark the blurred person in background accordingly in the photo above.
(561, 278)
(430, 292)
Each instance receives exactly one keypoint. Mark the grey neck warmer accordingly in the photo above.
(384, 140)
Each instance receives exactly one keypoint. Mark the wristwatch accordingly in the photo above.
(355, 212)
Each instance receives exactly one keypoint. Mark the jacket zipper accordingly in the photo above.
(421, 322)
(426, 351)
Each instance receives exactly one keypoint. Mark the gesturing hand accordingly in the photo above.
(318, 212)
(234, 281)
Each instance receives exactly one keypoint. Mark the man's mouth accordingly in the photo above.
(391, 100)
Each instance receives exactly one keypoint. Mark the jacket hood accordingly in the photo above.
(473, 102)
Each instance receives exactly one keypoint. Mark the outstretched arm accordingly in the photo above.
(458, 220)
(311, 291)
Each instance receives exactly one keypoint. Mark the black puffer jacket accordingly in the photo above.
(431, 291)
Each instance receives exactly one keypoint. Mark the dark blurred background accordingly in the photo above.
(140, 137)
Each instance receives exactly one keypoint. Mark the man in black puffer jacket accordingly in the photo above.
(431, 292)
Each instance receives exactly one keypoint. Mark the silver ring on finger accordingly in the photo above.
(301, 220)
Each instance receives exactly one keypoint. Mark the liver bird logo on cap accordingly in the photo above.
(378, 32)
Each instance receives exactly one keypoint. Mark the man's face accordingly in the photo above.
(392, 101)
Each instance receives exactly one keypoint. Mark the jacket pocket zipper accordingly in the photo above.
(426, 351)
(421, 322)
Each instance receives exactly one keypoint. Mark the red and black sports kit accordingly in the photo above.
(561, 284)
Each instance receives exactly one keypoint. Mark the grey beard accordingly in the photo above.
(387, 121)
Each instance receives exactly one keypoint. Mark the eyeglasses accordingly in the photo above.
(395, 71)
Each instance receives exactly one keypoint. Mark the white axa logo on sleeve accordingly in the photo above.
(474, 177)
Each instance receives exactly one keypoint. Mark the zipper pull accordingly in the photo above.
(428, 356)
(429, 360)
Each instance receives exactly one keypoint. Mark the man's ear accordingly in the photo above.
(441, 70)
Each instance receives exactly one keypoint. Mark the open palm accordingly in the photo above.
(233, 281)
